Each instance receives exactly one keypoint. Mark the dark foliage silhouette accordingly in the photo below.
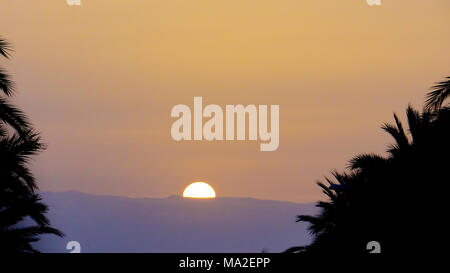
(22, 214)
(397, 200)
(439, 93)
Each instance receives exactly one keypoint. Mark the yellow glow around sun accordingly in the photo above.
(199, 190)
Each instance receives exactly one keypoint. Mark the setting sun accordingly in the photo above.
(199, 190)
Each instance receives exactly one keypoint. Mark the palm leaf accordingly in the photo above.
(6, 84)
(13, 117)
(436, 97)
(5, 48)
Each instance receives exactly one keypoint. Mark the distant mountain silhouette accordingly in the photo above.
(173, 224)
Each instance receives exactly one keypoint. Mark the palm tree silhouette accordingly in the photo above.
(397, 199)
(22, 213)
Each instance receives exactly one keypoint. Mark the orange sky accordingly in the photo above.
(99, 81)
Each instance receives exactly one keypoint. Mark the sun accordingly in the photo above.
(199, 190)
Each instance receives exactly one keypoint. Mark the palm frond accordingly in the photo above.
(438, 94)
(365, 161)
(13, 117)
(5, 48)
(25, 207)
(6, 84)
(397, 133)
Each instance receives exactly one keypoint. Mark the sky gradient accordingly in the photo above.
(99, 81)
